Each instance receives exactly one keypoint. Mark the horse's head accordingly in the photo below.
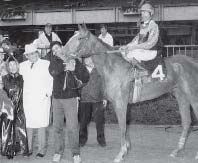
(79, 44)
(84, 44)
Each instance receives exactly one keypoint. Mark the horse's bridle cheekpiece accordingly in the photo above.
(83, 42)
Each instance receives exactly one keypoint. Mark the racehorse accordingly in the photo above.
(118, 76)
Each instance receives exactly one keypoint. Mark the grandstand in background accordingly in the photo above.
(22, 20)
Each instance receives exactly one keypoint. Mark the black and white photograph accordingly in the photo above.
(98, 81)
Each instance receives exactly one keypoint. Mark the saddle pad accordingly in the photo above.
(156, 68)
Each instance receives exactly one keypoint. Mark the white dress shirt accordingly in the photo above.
(108, 39)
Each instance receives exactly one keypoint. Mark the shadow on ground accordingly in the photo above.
(150, 144)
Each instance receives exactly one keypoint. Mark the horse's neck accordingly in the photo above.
(105, 63)
(99, 62)
(99, 54)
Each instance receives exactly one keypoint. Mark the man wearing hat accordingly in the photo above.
(45, 39)
(37, 90)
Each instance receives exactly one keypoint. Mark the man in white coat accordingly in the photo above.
(37, 92)
(45, 39)
(105, 36)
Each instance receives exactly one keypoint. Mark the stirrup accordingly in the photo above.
(140, 73)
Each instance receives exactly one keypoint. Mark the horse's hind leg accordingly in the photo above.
(195, 109)
(184, 108)
(121, 110)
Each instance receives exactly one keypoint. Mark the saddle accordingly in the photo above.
(142, 74)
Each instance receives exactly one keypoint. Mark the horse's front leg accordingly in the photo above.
(184, 108)
(121, 110)
(194, 105)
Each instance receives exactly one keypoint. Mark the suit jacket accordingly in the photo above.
(93, 91)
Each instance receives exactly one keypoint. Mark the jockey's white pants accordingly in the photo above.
(140, 55)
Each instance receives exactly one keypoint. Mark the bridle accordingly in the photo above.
(76, 55)
(82, 46)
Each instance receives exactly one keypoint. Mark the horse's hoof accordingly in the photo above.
(196, 157)
(122, 153)
(117, 160)
(177, 153)
(119, 157)
(174, 153)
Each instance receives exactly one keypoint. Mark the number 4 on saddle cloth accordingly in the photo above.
(147, 72)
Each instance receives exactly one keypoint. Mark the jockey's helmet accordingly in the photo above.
(147, 7)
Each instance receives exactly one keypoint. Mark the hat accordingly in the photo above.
(147, 7)
(48, 25)
(30, 48)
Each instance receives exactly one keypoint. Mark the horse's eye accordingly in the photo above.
(80, 38)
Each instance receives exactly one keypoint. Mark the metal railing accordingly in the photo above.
(188, 50)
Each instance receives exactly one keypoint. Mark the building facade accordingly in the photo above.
(23, 20)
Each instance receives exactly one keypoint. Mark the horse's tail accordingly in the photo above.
(184, 70)
(173, 71)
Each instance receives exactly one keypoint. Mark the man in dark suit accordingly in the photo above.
(92, 102)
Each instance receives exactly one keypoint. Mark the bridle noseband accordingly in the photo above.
(83, 45)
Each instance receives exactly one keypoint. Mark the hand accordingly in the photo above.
(70, 66)
(59, 55)
(104, 102)
(124, 49)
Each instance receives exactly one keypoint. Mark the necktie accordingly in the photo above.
(31, 65)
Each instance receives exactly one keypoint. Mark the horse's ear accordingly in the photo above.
(79, 27)
(84, 26)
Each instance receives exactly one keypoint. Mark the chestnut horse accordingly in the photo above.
(117, 75)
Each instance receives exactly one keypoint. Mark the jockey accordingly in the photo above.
(144, 46)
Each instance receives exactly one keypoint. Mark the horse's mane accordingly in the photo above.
(102, 42)
(113, 59)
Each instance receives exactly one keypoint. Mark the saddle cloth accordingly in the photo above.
(145, 72)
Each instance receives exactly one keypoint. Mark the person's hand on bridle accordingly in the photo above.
(70, 65)
(124, 49)
(60, 56)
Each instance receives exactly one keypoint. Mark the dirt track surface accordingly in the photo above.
(150, 144)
